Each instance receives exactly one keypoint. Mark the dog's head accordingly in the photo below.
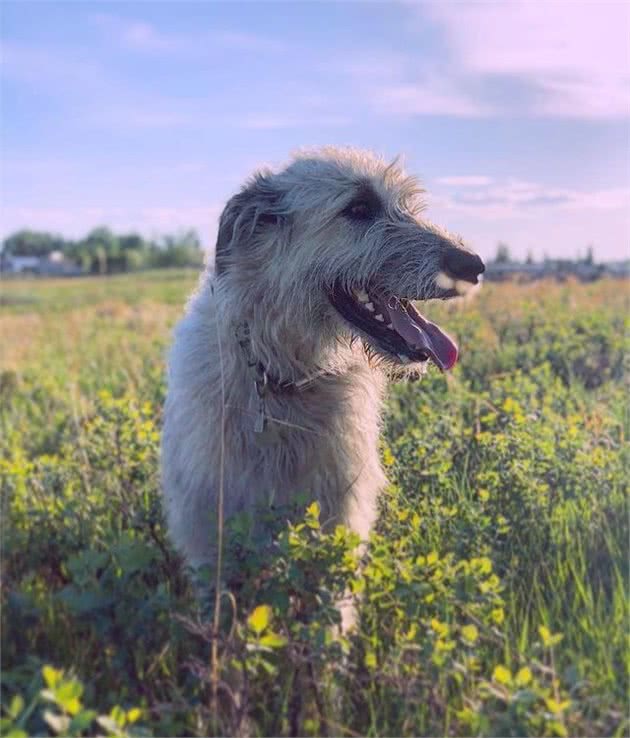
(335, 246)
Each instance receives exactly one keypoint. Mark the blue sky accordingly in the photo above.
(147, 116)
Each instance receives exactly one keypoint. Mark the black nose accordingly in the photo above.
(462, 264)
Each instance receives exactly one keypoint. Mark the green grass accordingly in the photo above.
(493, 594)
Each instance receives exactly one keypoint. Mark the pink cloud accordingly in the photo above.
(428, 97)
(577, 53)
(514, 197)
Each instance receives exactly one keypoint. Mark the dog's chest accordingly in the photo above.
(328, 438)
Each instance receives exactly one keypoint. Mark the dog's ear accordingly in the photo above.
(246, 216)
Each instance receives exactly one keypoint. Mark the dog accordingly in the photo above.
(277, 372)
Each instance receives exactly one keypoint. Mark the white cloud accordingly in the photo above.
(518, 58)
(430, 97)
(576, 54)
(401, 84)
(511, 197)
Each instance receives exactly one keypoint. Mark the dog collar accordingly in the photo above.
(264, 382)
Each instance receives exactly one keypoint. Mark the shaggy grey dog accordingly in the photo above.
(278, 368)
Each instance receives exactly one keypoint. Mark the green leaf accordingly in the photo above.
(68, 696)
(134, 714)
(273, 640)
(15, 733)
(549, 639)
(441, 629)
(118, 715)
(16, 706)
(545, 634)
(312, 515)
(557, 728)
(259, 619)
(555, 706)
(51, 676)
(82, 721)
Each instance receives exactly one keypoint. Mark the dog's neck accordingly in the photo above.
(263, 378)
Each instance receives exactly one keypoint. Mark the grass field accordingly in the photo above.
(493, 596)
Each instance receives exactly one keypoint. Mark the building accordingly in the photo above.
(53, 264)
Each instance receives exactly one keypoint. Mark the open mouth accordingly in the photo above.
(394, 327)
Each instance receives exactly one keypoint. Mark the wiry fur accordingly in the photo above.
(282, 242)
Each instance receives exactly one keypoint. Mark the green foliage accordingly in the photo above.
(491, 599)
(58, 709)
(104, 252)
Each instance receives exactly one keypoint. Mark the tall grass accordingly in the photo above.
(492, 598)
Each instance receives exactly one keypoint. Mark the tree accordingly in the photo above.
(503, 253)
(32, 243)
(180, 250)
(589, 258)
(104, 252)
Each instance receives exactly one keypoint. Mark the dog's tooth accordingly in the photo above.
(370, 306)
(404, 359)
(362, 295)
(379, 318)
(390, 326)
(444, 281)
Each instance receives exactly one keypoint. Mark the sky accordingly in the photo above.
(148, 116)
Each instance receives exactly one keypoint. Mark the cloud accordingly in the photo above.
(513, 197)
(574, 54)
(465, 181)
(429, 97)
(402, 85)
(141, 36)
(497, 59)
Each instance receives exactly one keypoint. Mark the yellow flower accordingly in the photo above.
(470, 633)
(523, 676)
(502, 675)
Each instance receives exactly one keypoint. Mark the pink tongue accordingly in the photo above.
(422, 334)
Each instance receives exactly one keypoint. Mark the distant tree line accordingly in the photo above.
(105, 252)
(504, 256)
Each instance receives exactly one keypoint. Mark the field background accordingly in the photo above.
(493, 593)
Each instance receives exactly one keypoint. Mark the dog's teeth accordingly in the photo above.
(404, 359)
(379, 318)
(444, 281)
(463, 287)
(370, 306)
(390, 326)
(362, 295)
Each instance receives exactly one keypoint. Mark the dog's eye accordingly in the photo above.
(359, 210)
